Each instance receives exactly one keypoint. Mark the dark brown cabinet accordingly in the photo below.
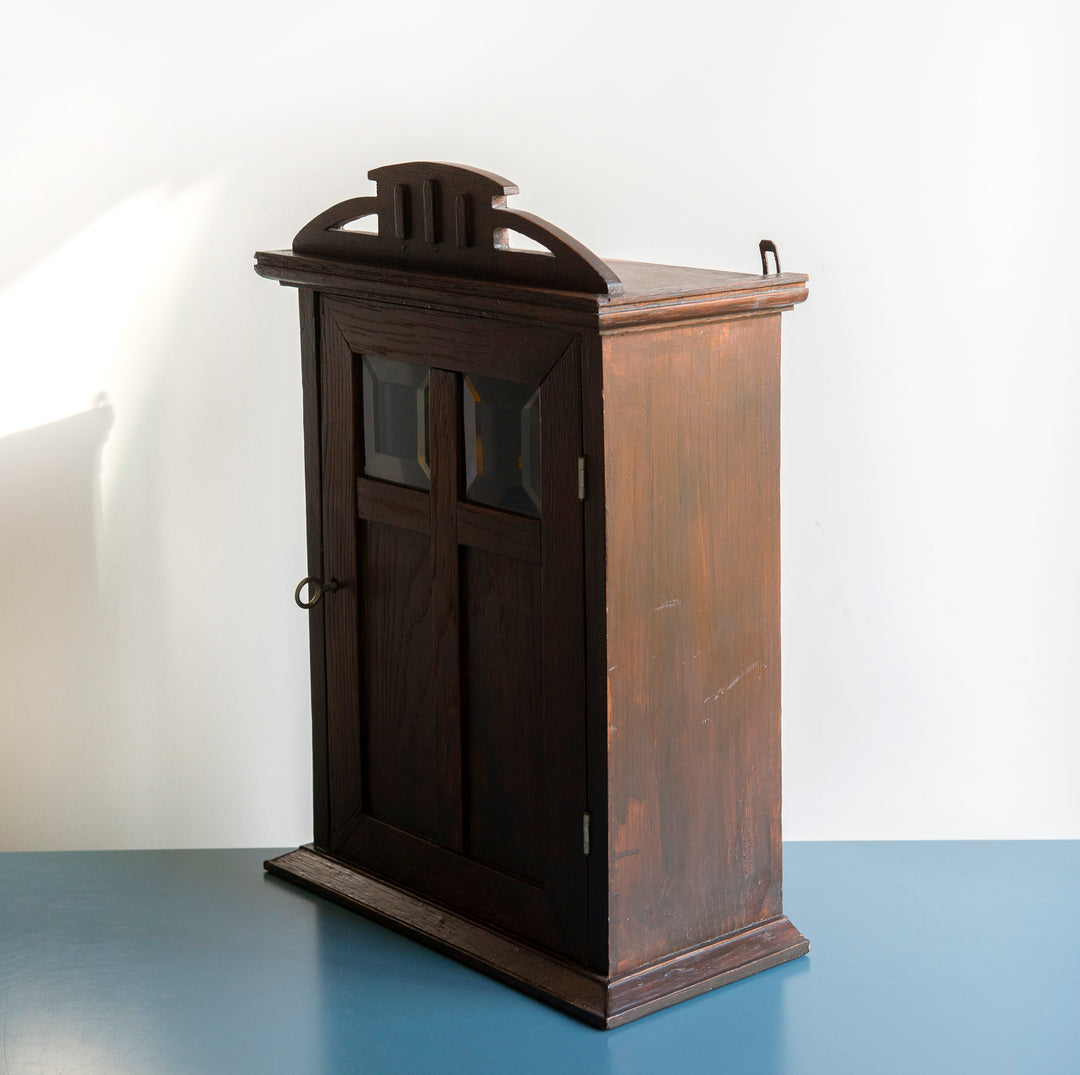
(543, 510)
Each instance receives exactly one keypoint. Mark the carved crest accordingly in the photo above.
(445, 218)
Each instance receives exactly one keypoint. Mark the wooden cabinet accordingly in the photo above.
(543, 532)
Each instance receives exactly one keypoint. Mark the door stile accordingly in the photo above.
(445, 464)
(563, 627)
(596, 665)
(309, 367)
(340, 609)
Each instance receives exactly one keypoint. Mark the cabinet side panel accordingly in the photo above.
(692, 475)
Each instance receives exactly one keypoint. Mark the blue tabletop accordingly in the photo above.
(925, 957)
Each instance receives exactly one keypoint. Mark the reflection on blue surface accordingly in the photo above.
(925, 958)
(412, 1010)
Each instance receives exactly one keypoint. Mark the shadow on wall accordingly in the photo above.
(143, 649)
(51, 631)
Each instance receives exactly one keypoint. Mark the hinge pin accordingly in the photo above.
(581, 477)
(586, 825)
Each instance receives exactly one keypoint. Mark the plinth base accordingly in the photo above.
(601, 1001)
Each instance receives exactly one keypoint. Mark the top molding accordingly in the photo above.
(446, 218)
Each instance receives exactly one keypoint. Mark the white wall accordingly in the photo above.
(919, 161)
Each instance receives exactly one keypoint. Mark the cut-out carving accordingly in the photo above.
(508, 239)
(446, 218)
(364, 225)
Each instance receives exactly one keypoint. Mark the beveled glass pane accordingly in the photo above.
(395, 396)
(530, 448)
(502, 444)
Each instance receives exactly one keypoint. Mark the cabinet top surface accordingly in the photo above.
(643, 282)
(649, 293)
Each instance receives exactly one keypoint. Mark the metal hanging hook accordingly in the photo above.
(764, 247)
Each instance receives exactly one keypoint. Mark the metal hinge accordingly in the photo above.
(586, 825)
(581, 477)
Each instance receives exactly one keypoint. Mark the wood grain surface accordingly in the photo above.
(340, 451)
(445, 598)
(311, 387)
(401, 733)
(449, 341)
(693, 640)
(504, 714)
(562, 642)
(397, 505)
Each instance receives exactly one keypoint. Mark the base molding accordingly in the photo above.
(601, 1001)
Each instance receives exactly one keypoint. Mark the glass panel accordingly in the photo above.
(502, 444)
(396, 421)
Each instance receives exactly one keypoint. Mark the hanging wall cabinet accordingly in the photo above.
(544, 595)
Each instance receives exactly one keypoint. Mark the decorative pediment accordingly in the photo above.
(445, 218)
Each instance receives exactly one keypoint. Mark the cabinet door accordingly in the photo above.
(454, 724)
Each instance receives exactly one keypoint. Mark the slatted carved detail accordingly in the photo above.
(445, 218)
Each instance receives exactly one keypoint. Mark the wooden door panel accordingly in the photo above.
(401, 747)
(503, 712)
